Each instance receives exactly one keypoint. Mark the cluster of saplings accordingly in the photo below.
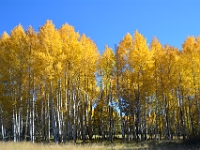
(56, 86)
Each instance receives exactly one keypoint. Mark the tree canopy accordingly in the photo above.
(55, 84)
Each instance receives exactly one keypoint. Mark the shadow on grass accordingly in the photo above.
(192, 143)
(189, 144)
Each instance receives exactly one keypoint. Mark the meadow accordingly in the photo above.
(148, 145)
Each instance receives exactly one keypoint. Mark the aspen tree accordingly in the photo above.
(122, 54)
(140, 63)
(89, 58)
(70, 41)
(191, 56)
(157, 55)
(18, 50)
(50, 53)
(107, 64)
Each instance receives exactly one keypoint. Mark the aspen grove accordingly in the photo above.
(55, 86)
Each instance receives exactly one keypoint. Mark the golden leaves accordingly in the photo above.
(107, 61)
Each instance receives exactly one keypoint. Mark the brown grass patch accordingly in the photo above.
(149, 145)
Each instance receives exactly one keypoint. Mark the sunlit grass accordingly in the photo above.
(68, 146)
(97, 146)
(36, 146)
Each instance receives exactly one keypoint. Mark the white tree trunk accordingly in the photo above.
(33, 119)
(14, 126)
(2, 124)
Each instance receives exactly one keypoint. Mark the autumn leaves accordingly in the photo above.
(57, 79)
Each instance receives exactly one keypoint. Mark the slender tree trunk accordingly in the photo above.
(2, 124)
(82, 116)
(45, 116)
(2, 131)
(17, 126)
(122, 121)
(20, 119)
(198, 110)
(58, 110)
(110, 125)
(27, 119)
(49, 118)
(110, 114)
(53, 119)
(120, 110)
(31, 124)
(43, 120)
(14, 125)
(182, 115)
(138, 119)
(75, 97)
(69, 123)
(90, 121)
(102, 125)
(119, 73)
(136, 130)
(156, 121)
(69, 92)
(168, 127)
(191, 116)
(33, 118)
(65, 119)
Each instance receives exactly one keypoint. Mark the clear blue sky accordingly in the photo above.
(107, 21)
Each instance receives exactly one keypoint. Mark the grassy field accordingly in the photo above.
(164, 145)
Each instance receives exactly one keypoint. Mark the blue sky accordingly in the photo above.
(107, 21)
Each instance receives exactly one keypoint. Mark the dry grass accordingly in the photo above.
(36, 146)
(96, 146)
(68, 146)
